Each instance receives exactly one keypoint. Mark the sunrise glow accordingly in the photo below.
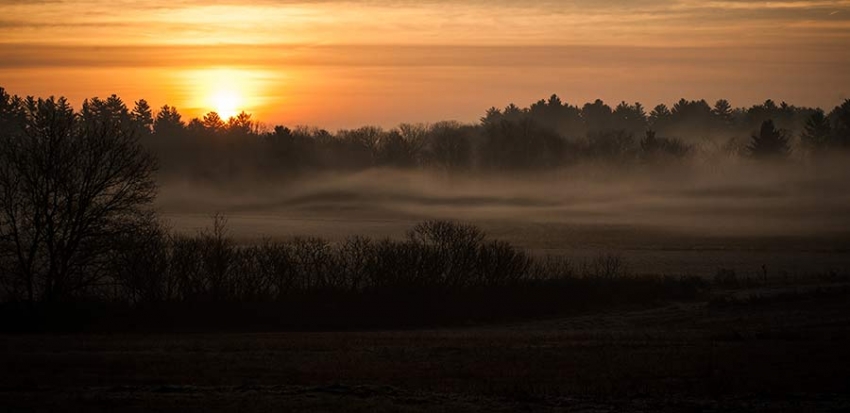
(226, 103)
(323, 63)
(224, 90)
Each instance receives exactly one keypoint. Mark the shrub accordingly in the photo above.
(653, 147)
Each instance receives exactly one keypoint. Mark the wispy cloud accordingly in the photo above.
(620, 22)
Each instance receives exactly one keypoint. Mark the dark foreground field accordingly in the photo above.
(784, 351)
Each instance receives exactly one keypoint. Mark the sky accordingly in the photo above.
(341, 64)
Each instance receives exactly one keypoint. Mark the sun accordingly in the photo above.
(221, 90)
(225, 90)
(226, 103)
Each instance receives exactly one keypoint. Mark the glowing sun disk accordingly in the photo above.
(226, 91)
(226, 103)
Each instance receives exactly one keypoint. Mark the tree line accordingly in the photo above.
(442, 272)
(547, 134)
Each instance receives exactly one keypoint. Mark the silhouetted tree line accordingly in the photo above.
(627, 132)
(547, 134)
(211, 267)
(441, 272)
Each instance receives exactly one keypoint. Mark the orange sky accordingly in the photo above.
(347, 63)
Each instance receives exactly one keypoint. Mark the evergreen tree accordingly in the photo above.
(241, 125)
(11, 112)
(723, 111)
(492, 116)
(213, 122)
(597, 116)
(168, 122)
(659, 115)
(630, 118)
(817, 131)
(770, 142)
(840, 118)
(143, 117)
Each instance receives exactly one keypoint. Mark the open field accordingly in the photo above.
(646, 250)
(780, 352)
(690, 220)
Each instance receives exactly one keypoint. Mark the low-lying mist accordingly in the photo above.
(692, 217)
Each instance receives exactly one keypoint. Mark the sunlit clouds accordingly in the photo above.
(294, 61)
(655, 22)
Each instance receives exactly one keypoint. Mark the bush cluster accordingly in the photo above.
(441, 273)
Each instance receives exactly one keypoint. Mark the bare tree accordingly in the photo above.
(70, 184)
(449, 146)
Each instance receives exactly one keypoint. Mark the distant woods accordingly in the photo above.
(548, 134)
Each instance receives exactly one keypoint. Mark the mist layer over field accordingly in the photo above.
(685, 218)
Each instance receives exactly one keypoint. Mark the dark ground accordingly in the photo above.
(781, 352)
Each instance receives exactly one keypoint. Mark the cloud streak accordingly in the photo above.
(683, 22)
(358, 55)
